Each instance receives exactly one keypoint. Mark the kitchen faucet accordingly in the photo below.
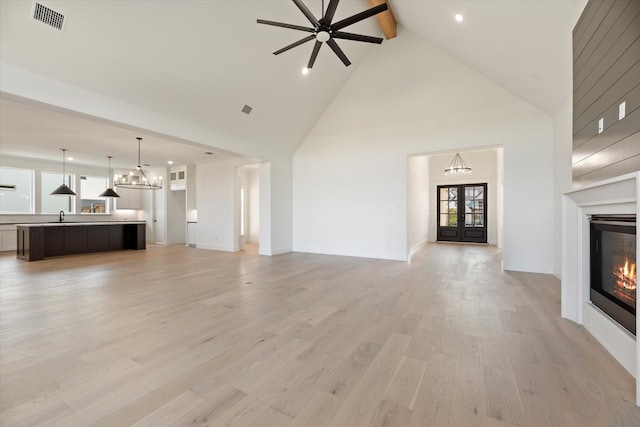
(61, 216)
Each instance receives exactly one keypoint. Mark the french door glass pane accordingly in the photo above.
(444, 194)
(449, 219)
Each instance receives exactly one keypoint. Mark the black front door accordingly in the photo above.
(462, 213)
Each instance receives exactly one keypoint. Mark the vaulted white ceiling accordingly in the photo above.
(202, 61)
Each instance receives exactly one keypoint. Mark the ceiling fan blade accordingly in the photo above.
(314, 54)
(290, 26)
(359, 16)
(307, 12)
(331, 10)
(292, 45)
(356, 37)
(334, 46)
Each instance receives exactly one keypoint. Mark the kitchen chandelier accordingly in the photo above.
(457, 167)
(109, 192)
(63, 190)
(137, 179)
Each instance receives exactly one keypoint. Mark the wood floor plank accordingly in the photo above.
(365, 396)
(502, 396)
(318, 410)
(168, 414)
(404, 386)
(188, 337)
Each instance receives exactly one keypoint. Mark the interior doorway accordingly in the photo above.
(177, 216)
(248, 206)
(462, 213)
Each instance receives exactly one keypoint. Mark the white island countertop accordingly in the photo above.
(71, 223)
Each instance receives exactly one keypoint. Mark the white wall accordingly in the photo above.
(264, 174)
(407, 97)
(528, 203)
(562, 152)
(483, 166)
(418, 217)
(192, 206)
(276, 210)
(217, 194)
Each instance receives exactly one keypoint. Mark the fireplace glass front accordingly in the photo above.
(613, 267)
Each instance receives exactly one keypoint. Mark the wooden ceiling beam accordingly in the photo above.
(386, 19)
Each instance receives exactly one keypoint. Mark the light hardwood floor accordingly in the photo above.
(180, 336)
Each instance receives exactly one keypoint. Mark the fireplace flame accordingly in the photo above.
(626, 275)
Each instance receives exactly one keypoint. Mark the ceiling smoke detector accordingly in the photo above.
(48, 16)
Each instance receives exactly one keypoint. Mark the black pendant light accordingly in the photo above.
(63, 190)
(109, 192)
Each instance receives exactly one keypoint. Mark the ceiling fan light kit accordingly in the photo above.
(324, 30)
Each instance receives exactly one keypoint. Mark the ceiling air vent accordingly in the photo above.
(48, 16)
(247, 109)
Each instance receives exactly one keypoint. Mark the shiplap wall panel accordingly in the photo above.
(632, 99)
(614, 153)
(611, 96)
(622, 55)
(605, 36)
(610, 116)
(617, 169)
(600, 34)
(593, 15)
(606, 72)
(620, 130)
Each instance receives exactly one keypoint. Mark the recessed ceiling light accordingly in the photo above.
(70, 158)
(170, 162)
(305, 71)
(459, 18)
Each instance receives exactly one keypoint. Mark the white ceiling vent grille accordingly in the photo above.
(48, 16)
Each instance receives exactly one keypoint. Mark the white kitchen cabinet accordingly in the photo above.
(191, 233)
(8, 238)
(129, 198)
(178, 178)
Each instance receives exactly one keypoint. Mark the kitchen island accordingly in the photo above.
(43, 240)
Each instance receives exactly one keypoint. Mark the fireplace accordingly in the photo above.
(613, 267)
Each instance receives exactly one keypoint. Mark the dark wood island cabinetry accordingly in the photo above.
(39, 241)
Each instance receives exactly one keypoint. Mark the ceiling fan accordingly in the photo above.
(326, 31)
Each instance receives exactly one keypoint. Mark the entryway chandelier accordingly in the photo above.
(137, 179)
(457, 167)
